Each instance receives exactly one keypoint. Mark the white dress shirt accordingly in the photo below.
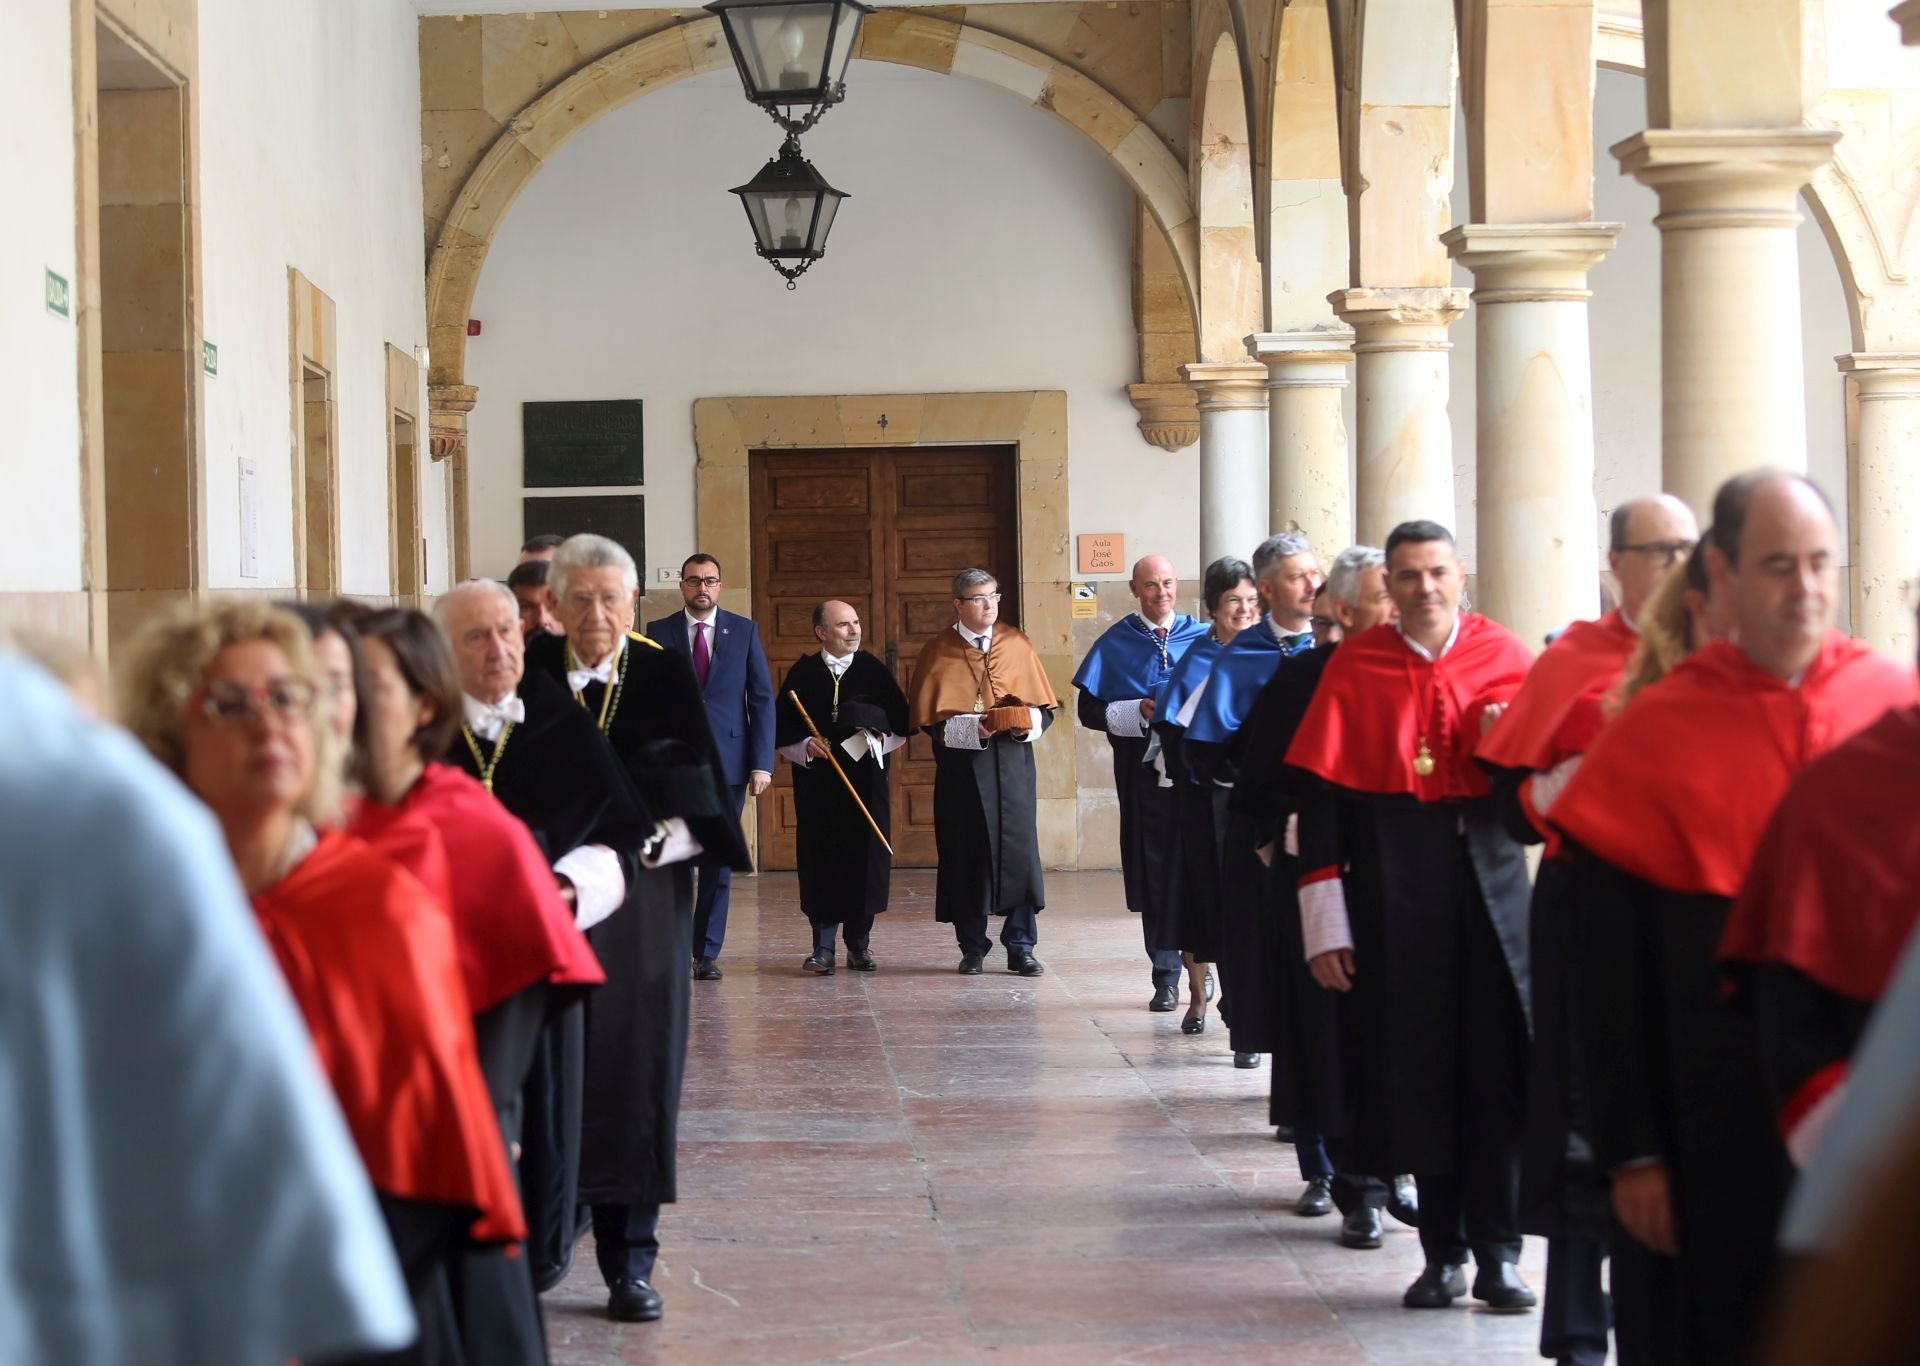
(488, 719)
(693, 623)
(1422, 650)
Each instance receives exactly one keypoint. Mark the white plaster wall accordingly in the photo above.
(986, 246)
(40, 524)
(310, 158)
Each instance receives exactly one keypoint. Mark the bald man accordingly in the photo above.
(861, 716)
(1117, 680)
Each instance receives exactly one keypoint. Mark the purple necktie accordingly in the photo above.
(702, 658)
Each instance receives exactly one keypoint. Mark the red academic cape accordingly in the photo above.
(1377, 699)
(1561, 707)
(1677, 790)
(509, 924)
(1834, 890)
(369, 958)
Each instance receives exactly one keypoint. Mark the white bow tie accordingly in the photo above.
(836, 667)
(488, 719)
(577, 679)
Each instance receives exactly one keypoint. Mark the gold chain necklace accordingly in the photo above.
(609, 700)
(485, 765)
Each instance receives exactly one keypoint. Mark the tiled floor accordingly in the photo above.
(919, 1167)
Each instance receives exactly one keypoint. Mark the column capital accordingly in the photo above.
(1227, 386)
(1726, 177)
(1907, 15)
(1882, 374)
(1530, 262)
(447, 409)
(1169, 414)
(1325, 347)
(1415, 318)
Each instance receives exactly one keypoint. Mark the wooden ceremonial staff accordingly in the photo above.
(872, 824)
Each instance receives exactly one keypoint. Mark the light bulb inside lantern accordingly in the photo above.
(793, 42)
(793, 236)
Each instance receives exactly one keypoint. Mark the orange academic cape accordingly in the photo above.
(951, 678)
(369, 957)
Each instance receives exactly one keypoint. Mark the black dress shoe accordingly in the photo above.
(1403, 1203)
(1244, 1061)
(972, 965)
(1023, 962)
(819, 962)
(1164, 1000)
(1194, 1024)
(1361, 1229)
(859, 960)
(633, 1302)
(705, 970)
(1283, 1133)
(1499, 1287)
(1316, 1199)
(1438, 1286)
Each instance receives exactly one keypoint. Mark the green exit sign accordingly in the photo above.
(59, 295)
(209, 358)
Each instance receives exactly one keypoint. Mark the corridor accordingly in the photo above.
(917, 1167)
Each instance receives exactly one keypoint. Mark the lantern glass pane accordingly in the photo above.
(829, 206)
(757, 215)
(843, 39)
(785, 47)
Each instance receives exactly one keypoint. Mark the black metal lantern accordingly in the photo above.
(792, 53)
(791, 209)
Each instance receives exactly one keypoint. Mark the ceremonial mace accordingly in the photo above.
(872, 824)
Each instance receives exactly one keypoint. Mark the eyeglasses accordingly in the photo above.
(981, 599)
(692, 582)
(1664, 550)
(234, 704)
(1322, 623)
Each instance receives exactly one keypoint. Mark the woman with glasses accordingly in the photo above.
(1233, 603)
(228, 697)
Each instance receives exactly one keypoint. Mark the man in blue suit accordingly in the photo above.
(734, 683)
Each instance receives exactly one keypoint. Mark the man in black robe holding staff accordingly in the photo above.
(854, 716)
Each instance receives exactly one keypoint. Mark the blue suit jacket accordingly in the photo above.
(739, 691)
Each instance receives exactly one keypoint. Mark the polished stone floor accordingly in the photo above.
(919, 1167)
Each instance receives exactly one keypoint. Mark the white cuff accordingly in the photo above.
(963, 732)
(1323, 917)
(1547, 787)
(1124, 718)
(679, 847)
(1291, 840)
(1036, 724)
(796, 753)
(598, 884)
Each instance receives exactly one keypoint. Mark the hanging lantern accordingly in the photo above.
(792, 54)
(791, 209)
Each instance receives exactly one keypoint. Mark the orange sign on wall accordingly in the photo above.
(1102, 552)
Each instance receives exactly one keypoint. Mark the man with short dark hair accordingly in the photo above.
(528, 582)
(1665, 815)
(1413, 902)
(540, 547)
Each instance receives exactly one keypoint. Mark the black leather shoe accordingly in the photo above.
(1404, 1201)
(1246, 1061)
(1194, 1024)
(1164, 1000)
(705, 970)
(972, 965)
(633, 1302)
(1439, 1286)
(1499, 1287)
(859, 960)
(819, 962)
(1316, 1199)
(1361, 1229)
(1023, 962)
(1283, 1133)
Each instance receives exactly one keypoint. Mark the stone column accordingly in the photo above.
(1886, 496)
(1538, 564)
(1733, 387)
(1307, 457)
(1233, 456)
(1404, 467)
(447, 409)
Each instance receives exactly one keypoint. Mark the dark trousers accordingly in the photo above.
(626, 1239)
(1166, 962)
(1311, 1150)
(1647, 1304)
(855, 929)
(1574, 1324)
(1020, 931)
(1477, 1204)
(714, 891)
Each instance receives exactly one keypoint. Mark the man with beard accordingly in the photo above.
(1665, 813)
(1534, 749)
(1117, 681)
(1413, 902)
(644, 700)
(860, 712)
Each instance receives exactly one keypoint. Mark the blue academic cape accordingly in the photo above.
(1237, 677)
(1123, 665)
(1188, 674)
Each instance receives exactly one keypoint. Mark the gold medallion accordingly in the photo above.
(1423, 761)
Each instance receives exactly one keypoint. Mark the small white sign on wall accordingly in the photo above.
(249, 518)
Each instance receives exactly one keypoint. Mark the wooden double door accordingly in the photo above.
(885, 530)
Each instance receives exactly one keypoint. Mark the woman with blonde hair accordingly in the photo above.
(227, 697)
(1680, 617)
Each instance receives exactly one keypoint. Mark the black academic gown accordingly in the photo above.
(636, 1025)
(844, 871)
(1676, 1075)
(1200, 820)
(1149, 853)
(557, 775)
(986, 827)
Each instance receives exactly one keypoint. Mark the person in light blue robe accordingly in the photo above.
(177, 1185)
